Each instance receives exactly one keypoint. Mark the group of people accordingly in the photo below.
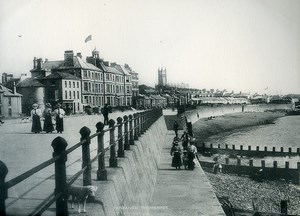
(48, 115)
(183, 156)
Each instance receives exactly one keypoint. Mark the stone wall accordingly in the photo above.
(130, 186)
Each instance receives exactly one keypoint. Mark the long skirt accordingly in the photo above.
(191, 164)
(48, 125)
(176, 161)
(59, 124)
(36, 124)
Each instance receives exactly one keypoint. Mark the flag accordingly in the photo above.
(88, 38)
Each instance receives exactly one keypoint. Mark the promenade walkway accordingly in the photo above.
(182, 192)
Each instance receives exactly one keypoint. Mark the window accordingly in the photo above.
(90, 87)
(73, 84)
(9, 112)
(86, 99)
(107, 77)
(70, 95)
(84, 74)
(89, 74)
(78, 106)
(77, 84)
(101, 76)
(93, 87)
(66, 84)
(70, 84)
(85, 86)
(9, 101)
(77, 94)
(74, 95)
(66, 94)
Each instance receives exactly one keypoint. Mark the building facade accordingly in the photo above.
(10, 103)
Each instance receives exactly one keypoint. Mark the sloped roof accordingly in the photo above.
(113, 70)
(157, 97)
(61, 75)
(8, 92)
(84, 64)
(30, 82)
(125, 71)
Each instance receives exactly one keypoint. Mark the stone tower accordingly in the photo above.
(162, 76)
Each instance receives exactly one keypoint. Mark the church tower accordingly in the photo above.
(162, 77)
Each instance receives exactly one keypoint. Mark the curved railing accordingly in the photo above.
(130, 128)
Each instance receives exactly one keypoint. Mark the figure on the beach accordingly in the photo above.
(48, 125)
(176, 127)
(59, 114)
(176, 156)
(105, 114)
(36, 114)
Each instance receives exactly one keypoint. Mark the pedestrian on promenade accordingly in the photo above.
(105, 114)
(36, 114)
(176, 156)
(185, 159)
(192, 150)
(48, 125)
(59, 114)
(185, 140)
(176, 127)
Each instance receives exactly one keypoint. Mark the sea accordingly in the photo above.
(284, 133)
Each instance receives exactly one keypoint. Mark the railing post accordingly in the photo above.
(136, 126)
(101, 172)
(126, 141)
(131, 139)
(141, 123)
(3, 189)
(86, 158)
(120, 137)
(113, 162)
(59, 145)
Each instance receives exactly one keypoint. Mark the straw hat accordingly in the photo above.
(48, 105)
(35, 105)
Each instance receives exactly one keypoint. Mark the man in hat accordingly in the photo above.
(105, 114)
(36, 114)
(59, 114)
(48, 125)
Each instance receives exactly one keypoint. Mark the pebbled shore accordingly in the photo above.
(241, 190)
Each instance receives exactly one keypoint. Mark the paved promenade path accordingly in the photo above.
(182, 192)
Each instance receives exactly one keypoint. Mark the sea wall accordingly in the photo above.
(130, 186)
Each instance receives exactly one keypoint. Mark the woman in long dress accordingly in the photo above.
(48, 125)
(36, 119)
(59, 114)
(176, 159)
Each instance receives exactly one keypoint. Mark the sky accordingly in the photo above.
(241, 45)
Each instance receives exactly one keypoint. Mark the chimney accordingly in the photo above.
(39, 63)
(68, 61)
(79, 55)
(15, 88)
(113, 64)
(106, 63)
(34, 63)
